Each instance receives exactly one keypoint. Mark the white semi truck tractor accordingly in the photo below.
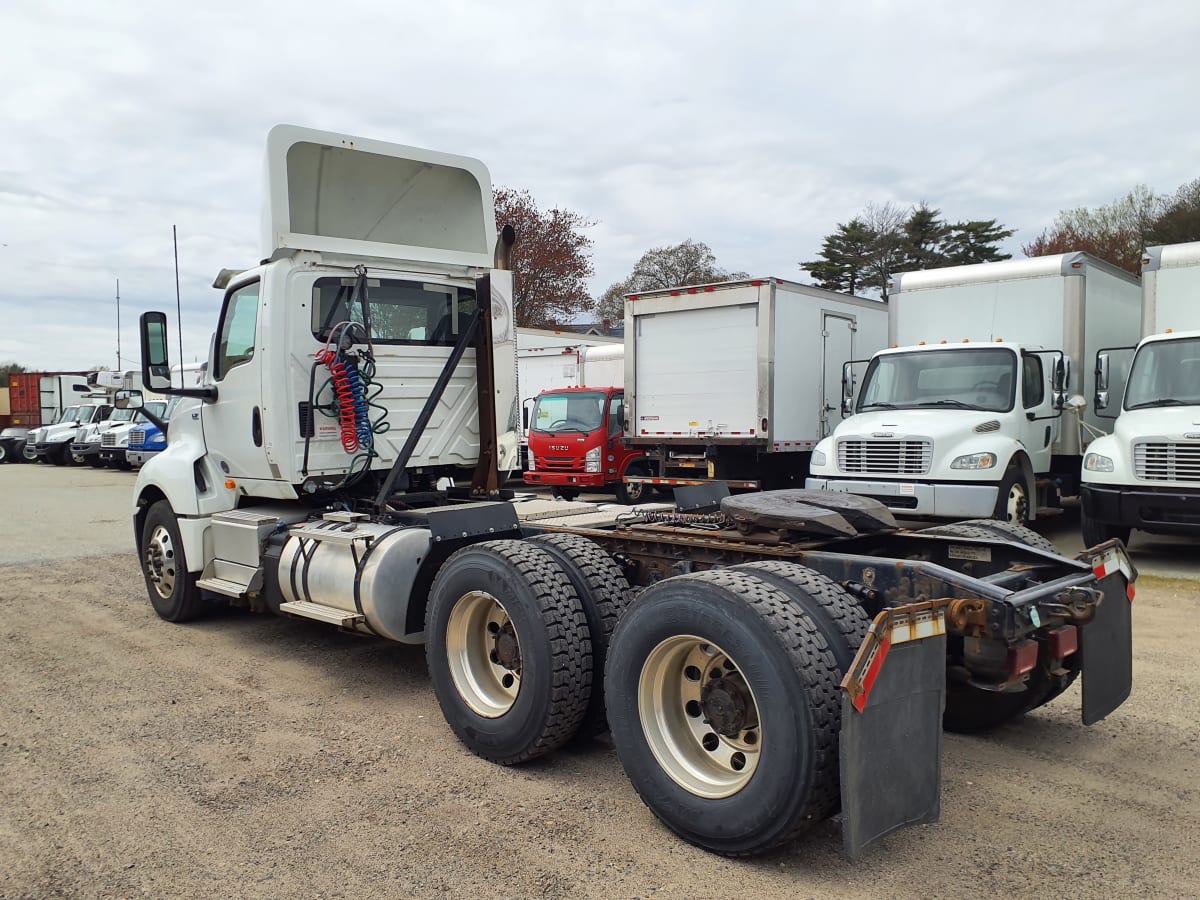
(1146, 474)
(762, 661)
(977, 409)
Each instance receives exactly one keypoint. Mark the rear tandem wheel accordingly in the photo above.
(509, 650)
(725, 711)
(970, 709)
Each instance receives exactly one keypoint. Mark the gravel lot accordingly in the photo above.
(252, 756)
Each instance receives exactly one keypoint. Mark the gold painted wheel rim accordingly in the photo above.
(484, 654)
(678, 720)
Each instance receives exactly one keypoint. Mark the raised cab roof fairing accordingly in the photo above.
(345, 195)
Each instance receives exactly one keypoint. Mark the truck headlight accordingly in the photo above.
(819, 458)
(591, 460)
(1094, 462)
(974, 461)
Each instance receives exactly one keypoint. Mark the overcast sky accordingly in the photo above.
(753, 127)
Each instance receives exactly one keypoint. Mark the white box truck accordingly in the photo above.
(1146, 474)
(738, 381)
(971, 413)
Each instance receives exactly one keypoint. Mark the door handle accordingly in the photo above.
(256, 427)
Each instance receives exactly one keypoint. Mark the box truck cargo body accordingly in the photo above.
(978, 408)
(1146, 474)
(738, 381)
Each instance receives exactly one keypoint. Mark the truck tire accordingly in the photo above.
(604, 592)
(509, 650)
(1004, 530)
(96, 462)
(3, 453)
(639, 492)
(172, 588)
(1097, 532)
(749, 761)
(29, 454)
(64, 455)
(564, 493)
(842, 621)
(1012, 501)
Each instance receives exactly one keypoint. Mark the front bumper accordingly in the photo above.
(140, 457)
(45, 448)
(566, 479)
(918, 499)
(85, 450)
(1146, 508)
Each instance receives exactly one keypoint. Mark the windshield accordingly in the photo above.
(70, 414)
(122, 415)
(581, 411)
(1165, 373)
(963, 379)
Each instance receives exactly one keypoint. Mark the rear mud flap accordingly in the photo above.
(1106, 646)
(1106, 643)
(891, 740)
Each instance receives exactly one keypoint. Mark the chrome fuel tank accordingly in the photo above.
(356, 566)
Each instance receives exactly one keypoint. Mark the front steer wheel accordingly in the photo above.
(509, 650)
(172, 588)
(725, 711)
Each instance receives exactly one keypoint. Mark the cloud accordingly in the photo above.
(752, 128)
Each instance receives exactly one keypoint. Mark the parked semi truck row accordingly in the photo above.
(761, 661)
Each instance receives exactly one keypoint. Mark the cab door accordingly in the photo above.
(1039, 426)
(233, 425)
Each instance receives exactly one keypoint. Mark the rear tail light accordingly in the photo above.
(1064, 641)
(1022, 658)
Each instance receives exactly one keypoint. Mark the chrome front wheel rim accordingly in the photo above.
(161, 562)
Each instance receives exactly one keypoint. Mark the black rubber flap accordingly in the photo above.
(700, 497)
(1107, 647)
(779, 509)
(465, 520)
(892, 751)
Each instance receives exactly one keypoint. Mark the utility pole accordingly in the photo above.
(178, 304)
(119, 365)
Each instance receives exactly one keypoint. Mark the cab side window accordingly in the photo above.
(616, 416)
(239, 321)
(1033, 386)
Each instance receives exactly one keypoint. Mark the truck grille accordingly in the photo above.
(885, 457)
(108, 441)
(558, 463)
(1166, 461)
(137, 438)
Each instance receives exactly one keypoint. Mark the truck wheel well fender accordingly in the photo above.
(145, 500)
(640, 462)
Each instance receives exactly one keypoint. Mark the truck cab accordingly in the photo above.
(52, 443)
(112, 442)
(1146, 474)
(948, 430)
(577, 443)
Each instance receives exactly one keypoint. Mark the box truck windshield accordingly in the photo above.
(970, 379)
(581, 411)
(1165, 373)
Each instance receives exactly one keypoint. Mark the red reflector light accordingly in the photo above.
(1022, 658)
(692, 290)
(1064, 641)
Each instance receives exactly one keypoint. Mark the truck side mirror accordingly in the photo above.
(847, 389)
(1061, 381)
(1101, 400)
(156, 364)
(128, 400)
